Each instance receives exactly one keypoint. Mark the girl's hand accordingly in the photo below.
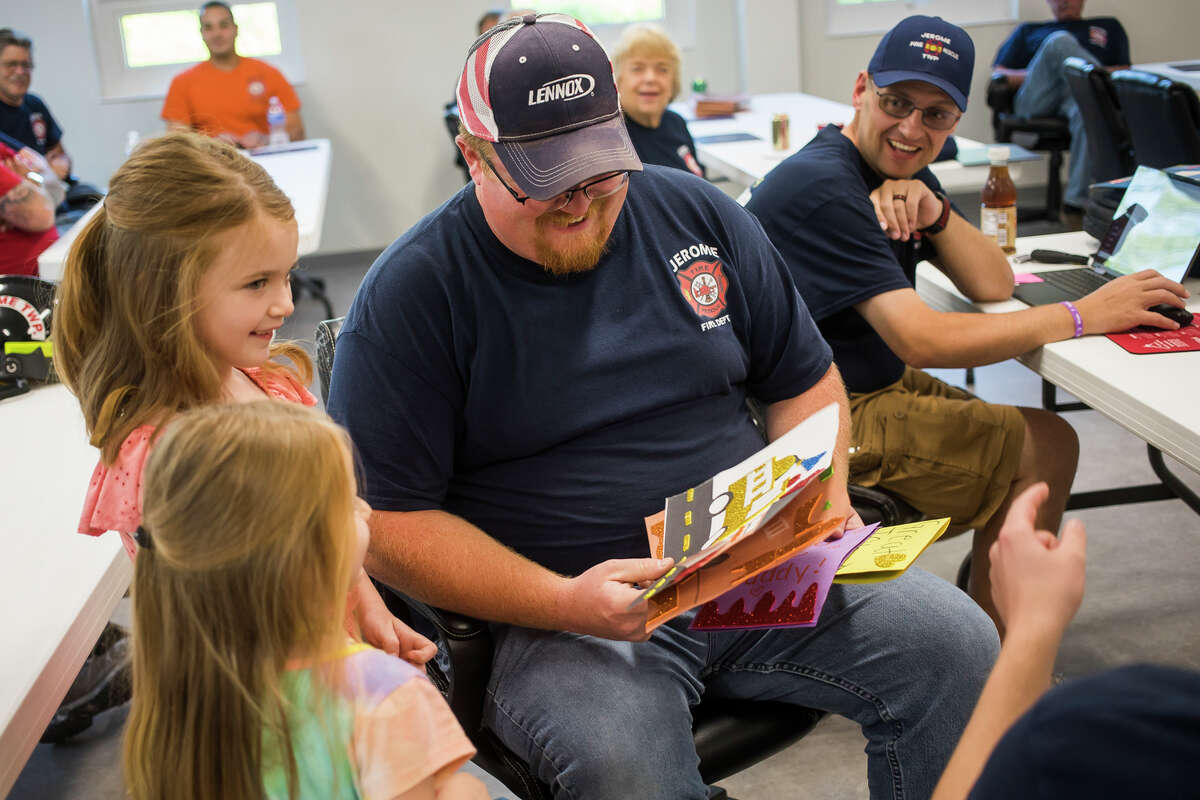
(381, 629)
(1037, 578)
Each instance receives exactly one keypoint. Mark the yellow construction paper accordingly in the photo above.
(889, 551)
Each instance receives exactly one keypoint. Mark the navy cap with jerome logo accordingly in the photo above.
(541, 88)
(927, 49)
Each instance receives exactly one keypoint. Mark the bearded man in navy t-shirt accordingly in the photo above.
(534, 366)
(1032, 59)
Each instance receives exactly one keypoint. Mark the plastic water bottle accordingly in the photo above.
(276, 117)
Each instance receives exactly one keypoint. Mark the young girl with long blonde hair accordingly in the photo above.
(170, 300)
(245, 684)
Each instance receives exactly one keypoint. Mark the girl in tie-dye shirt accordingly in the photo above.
(244, 684)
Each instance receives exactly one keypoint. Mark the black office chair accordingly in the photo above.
(79, 200)
(730, 735)
(314, 286)
(1110, 148)
(1163, 117)
(1048, 134)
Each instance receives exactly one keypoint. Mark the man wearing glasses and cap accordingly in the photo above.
(853, 213)
(534, 366)
(24, 117)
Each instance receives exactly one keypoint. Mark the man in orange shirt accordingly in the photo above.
(228, 95)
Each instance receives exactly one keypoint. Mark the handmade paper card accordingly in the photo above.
(788, 595)
(702, 521)
(890, 551)
(744, 519)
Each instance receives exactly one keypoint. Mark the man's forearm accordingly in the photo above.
(924, 338)
(27, 207)
(972, 340)
(787, 414)
(446, 561)
(975, 263)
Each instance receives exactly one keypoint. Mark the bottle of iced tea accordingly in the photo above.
(998, 214)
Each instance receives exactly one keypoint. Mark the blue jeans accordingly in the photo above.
(1045, 93)
(602, 719)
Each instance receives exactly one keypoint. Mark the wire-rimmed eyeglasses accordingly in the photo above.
(935, 118)
(594, 190)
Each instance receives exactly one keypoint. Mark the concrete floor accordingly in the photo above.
(1141, 602)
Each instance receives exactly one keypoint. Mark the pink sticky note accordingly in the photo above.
(790, 594)
(1026, 277)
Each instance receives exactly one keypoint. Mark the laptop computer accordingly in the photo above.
(1156, 226)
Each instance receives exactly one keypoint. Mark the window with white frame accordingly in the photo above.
(605, 12)
(142, 44)
(857, 17)
(608, 18)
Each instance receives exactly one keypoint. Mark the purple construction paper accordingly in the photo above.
(804, 580)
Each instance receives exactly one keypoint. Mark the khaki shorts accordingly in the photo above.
(944, 451)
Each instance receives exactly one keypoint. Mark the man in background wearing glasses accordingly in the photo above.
(532, 368)
(24, 116)
(853, 213)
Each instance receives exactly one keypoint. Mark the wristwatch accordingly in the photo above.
(939, 224)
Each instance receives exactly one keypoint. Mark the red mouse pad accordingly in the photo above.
(1156, 340)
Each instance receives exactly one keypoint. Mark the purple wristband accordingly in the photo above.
(1075, 316)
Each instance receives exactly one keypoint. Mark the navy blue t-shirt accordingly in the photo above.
(556, 413)
(30, 123)
(815, 207)
(670, 144)
(1127, 732)
(1103, 37)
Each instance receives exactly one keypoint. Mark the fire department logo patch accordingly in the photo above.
(38, 123)
(256, 88)
(704, 285)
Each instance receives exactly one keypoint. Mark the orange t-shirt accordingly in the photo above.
(217, 101)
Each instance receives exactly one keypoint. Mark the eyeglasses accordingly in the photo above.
(938, 119)
(12, 66)
(595, 190)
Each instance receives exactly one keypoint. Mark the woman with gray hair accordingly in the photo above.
(646, 63)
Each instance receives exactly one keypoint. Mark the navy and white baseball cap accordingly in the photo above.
(926, 49)
(541, 88)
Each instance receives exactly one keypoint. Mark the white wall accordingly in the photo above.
(377, 81)
(379, 74)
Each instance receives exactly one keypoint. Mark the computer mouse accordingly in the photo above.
(1180, 315)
